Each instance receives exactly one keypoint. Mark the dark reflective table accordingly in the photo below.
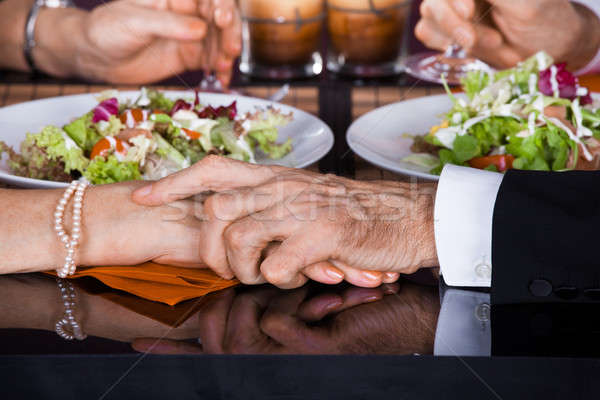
(417, 338)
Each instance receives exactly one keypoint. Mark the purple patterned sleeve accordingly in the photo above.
(594, 65)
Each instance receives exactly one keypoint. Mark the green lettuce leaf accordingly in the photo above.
(465, 148)
(474, 82)
(83, 132)
(34, 163)
(237, 147)
(158, 101)
(265, 139)
(102, 171)
(166, 150)
(58, 146)
(109, 128)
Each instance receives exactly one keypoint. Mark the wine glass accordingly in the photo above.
(210, 82)
(451, 65)
(454, 63)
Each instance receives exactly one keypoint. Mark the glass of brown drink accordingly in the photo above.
(282, 38)
(366, 36)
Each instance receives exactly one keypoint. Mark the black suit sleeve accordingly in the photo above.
(546, 239)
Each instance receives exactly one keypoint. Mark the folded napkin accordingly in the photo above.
(162, 283)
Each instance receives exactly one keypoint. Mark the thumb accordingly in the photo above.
(212, 173)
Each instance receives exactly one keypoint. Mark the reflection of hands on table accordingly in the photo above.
(393, 319)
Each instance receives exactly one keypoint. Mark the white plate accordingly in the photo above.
(311, 137)
(378, 135)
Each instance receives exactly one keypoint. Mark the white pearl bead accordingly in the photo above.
(64, 239)
(77, 224)
(75, 236)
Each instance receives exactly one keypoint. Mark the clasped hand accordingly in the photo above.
(284, 226)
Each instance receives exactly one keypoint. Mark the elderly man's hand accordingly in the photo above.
(281, 225)
(138, 41)
(503, 32)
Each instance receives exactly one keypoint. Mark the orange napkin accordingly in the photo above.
(165, 284)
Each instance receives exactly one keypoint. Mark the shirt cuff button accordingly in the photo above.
(483, 271)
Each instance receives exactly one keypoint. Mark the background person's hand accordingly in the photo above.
(137, 41)
(512, 30)
(313, 219)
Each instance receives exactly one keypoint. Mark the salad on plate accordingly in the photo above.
(148, 138)
(535, 116)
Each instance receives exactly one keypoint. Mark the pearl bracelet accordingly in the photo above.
(71, 242)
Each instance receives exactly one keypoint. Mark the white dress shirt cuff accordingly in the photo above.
(464, 210)
(594, 65)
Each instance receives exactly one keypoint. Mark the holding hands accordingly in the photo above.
(284, 226)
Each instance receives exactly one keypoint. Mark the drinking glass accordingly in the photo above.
(282, 39)
(453, 64)
(366, 36)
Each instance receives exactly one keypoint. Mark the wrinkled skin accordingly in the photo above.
(282, 225)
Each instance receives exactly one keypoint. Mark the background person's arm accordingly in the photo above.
(512, 30)
(125, 41)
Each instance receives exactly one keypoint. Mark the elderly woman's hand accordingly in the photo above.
(138, 41)
(512, 29)
(273, 223)
(116, 231)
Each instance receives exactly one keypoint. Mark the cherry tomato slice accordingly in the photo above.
(103, 147)
(135, 115)
(501, 161)
(191, 134)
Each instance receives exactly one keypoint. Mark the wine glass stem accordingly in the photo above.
(455, 51)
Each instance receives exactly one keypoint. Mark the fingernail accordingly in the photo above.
(391, 275)
(334, 274)
(223, 17)
(333, 304)
(196, 29)
(463, 37)
(372, 276)
(370, 299)
(144, 192)
(388, 290)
